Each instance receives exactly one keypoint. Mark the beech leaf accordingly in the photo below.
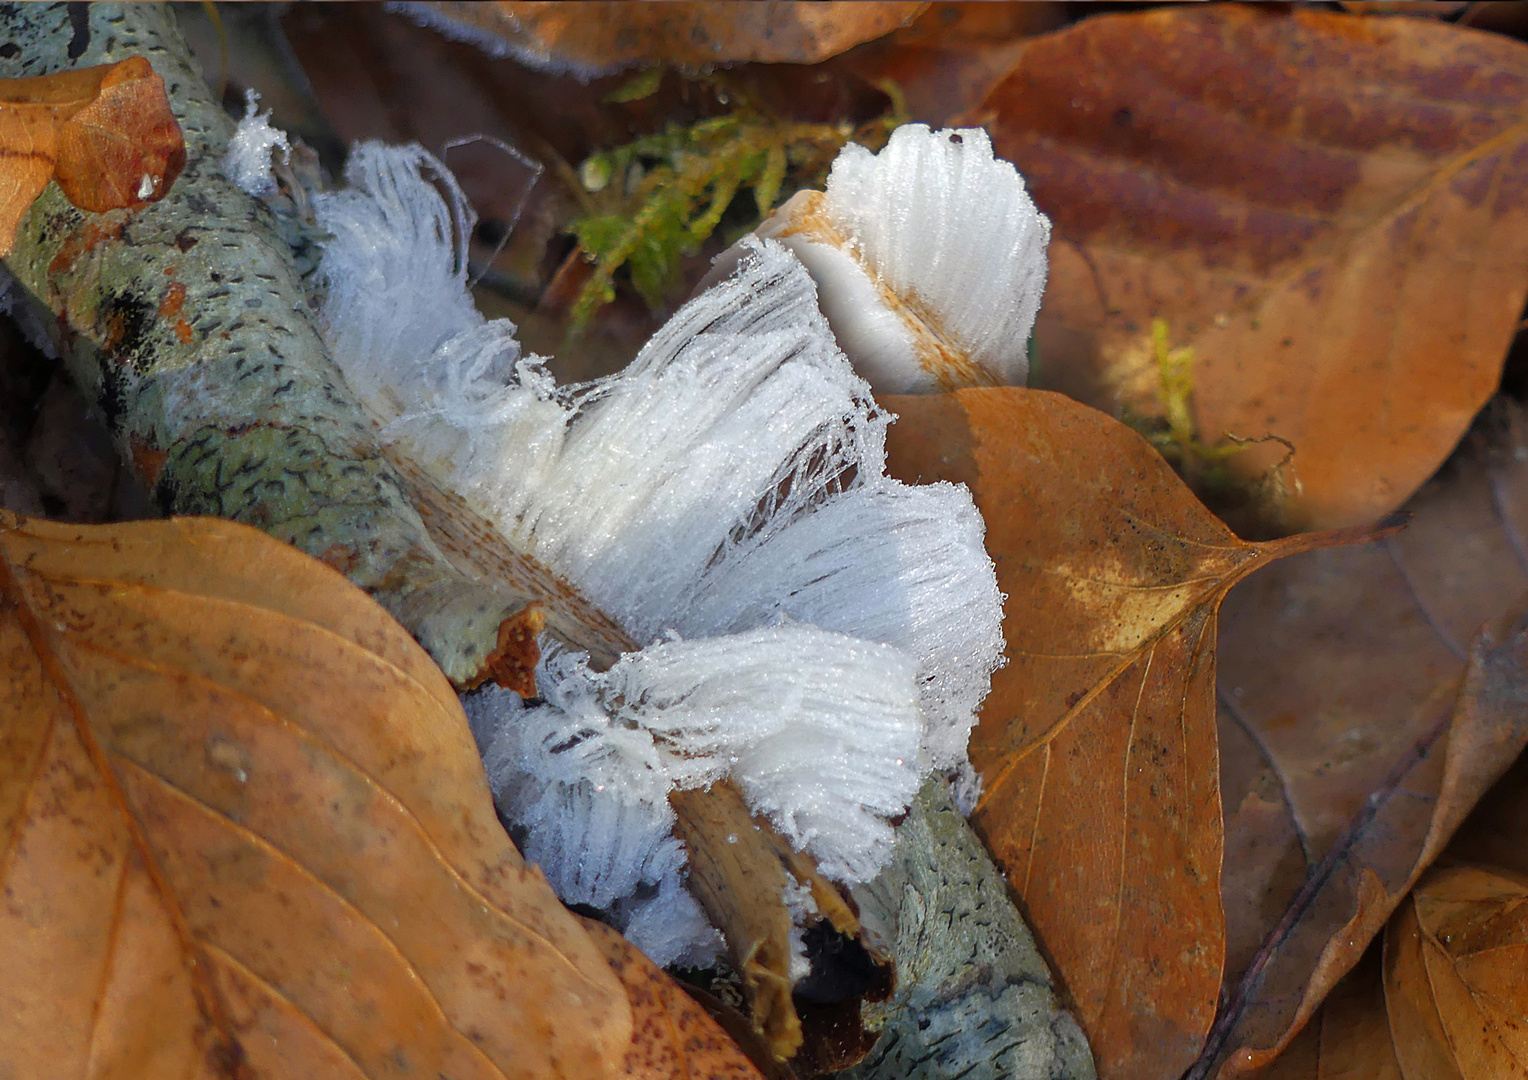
(1454, 960)
(1352, 748)
(673, 1037)
(105, 133)
(1330, 210)
(244, 826)
(1097, 745)
(603, 37)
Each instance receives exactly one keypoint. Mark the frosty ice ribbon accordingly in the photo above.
(817, 632)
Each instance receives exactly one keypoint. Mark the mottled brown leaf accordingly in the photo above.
(1097, 744)
(1331, 210)
(1349, 1038)
(106, 134)
(1456, 976)
(603, 36)
(672, 1037)
(244, 831)
(1368, 697)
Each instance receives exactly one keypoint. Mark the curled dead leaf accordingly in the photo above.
(1454, 960)
(1349, 1039)
(106, 134)
(1097, 745)
(245, 827)
(1330, 210)
(672, 1036)
(598, 38)
(1352, 748)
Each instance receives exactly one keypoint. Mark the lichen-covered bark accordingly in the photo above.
(186, 323)
(974, 998)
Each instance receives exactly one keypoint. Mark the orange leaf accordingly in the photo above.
(105, 133)
(1455, 957)
(1349, 1039)
(604, 36)
(1331, 210)
(672, 1036)
(243, 826)
(1368, 697)
(1097, 745)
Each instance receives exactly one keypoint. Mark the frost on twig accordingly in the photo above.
(186, 323)
(723, 498)
(819, 634)
(731, 477)
(247, 161)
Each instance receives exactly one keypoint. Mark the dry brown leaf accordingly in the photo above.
(245, 832)
(946, 60)
(1097, 744)
(602, 36)
(1456, 976)
(1351, 1034)
(672, 1037)
(1363, 713)
(1331, 210)
(1349, 1039)
(105, 133)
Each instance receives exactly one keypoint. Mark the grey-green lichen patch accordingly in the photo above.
(186, 323)
(974, 999)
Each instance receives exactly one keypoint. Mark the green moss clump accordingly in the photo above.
(660, 197)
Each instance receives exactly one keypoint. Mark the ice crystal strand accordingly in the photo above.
(185, 322)
(929, 258)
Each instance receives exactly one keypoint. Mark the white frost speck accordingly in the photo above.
(798, 900)
(248, 160)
